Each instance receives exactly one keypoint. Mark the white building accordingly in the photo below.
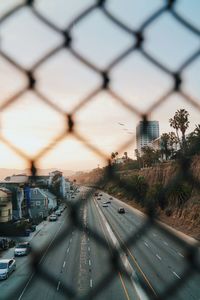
(5, 205)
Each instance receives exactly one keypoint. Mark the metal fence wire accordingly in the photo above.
(139, 39)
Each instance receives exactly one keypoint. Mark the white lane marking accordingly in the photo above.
(146, 244)
(26, 286)
(91, 283)
(88, 239)
(176, 275)
(180, 254)
(68, 250)
(22, 293)
(89, 262)
(64, 264)
(134, 279)
(70, 240)
(88, 248)
(58, 285)
(158, 257)
(165, 243)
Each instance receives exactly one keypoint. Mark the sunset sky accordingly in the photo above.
(30, 124)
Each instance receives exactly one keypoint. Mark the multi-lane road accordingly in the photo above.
(77, 264)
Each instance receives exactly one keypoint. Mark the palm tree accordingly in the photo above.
(125, 155)
(180, 122)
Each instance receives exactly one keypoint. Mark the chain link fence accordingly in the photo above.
(139, 38)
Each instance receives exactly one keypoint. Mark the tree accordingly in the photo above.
(165, 151)
(125, 155)
(180, 122)
(138, 157)
(193, 141)
(149, 156)
(168, 144)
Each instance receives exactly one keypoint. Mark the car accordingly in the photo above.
(58, 212)
(98, 198)
(105, 205)
(27, 232)
(121, 210)
(7, 266)
(100, 195)
(111, 198)
(106, 202)
(96, 194)
(23, 248)
(53, 218)
(33, 228)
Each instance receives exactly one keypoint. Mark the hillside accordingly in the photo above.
(177, 204)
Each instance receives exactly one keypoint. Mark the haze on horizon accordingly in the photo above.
(30, 125)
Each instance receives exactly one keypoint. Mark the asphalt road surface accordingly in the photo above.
(79, 265)
(160, 261)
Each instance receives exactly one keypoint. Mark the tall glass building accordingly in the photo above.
(146, 131)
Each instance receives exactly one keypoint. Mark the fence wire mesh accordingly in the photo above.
(139, 39)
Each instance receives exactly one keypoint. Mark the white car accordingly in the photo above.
(7, 266)
(21, 249)
(58, 213)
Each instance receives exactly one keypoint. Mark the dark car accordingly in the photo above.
(33, 228)
(27, 232)
(53, 218)
(121, 210)
(21, 249)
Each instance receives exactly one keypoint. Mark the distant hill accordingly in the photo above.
(8, 172)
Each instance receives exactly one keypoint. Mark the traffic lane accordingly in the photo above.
(154, 262)
(174, 262)
(19, 278)
(63, 263)
(165, 249)
(138, 220)
(99, 261)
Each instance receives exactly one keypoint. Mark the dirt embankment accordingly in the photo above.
(186, 217)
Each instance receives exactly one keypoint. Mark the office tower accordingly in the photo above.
(146, 131)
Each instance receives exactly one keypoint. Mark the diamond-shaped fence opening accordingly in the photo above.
(65, 90)
(128, 80)
(46, 57)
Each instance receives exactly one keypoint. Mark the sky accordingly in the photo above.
(29, 124)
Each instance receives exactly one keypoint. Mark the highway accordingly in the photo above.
(158, 260)
(77, 263)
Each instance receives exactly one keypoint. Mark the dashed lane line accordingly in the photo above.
(91, 283)
(58, 286)
(180, 254)
(158, 257)
(176, 275)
